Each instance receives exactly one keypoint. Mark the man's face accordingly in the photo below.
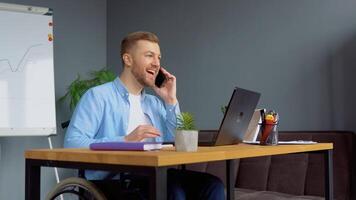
(145, 63)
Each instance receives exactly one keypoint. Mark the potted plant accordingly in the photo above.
(79, 86)
(186, 138)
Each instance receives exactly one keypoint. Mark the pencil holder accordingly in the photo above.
(268, 134)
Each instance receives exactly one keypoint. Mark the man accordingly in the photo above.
(122, 111)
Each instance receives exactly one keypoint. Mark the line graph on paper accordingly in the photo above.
(7, 64)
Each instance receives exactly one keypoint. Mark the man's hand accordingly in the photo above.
(168, 91)
(141, 132)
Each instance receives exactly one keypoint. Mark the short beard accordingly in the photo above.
(140, 78)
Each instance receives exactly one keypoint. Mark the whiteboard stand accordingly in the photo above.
(24, 58)
(55, 169)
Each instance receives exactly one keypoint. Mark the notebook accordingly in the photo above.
(254, 127)
(126, 146)
(285, 142)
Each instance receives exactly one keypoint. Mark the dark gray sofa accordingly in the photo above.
(293, 176)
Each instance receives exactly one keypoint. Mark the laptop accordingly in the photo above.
(236, 119)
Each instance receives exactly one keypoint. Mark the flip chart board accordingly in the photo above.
(27, 97)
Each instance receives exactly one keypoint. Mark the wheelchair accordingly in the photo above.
(84, 189)
(75, 186)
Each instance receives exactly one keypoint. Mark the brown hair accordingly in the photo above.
(130, 40)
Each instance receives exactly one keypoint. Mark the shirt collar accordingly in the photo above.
(123, 90)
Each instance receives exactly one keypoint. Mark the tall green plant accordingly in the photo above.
(185, 121)
(79, 86)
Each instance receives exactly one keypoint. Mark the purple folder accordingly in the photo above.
(126, 146)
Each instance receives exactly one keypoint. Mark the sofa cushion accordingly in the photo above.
(280, 173)
(216, 168)
(246, 194)
(257, 170)
(343, 142)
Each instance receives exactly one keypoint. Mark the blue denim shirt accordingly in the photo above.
(102, 115)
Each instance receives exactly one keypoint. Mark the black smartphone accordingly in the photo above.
(160, 79)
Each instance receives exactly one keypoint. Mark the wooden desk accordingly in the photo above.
(155, 163)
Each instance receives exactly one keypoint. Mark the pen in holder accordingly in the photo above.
(268, 128)
(269, 134)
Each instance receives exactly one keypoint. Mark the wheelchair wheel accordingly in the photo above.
(75, 187)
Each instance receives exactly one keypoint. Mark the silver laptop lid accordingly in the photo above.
(237, 116)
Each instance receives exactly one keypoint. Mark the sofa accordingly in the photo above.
(292, 176)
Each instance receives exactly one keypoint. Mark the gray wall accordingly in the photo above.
(298, 54)
(79, 46)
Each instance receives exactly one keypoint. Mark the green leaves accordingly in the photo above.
(78, 87)
(185, 121)
(223, 109)
(102, 76)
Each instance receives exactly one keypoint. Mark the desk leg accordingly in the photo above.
(328, 156)
(32, 180)
(230, 173)
(158, 184)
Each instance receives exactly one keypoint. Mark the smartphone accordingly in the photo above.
(160, 79)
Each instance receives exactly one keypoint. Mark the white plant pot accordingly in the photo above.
(186, 140)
